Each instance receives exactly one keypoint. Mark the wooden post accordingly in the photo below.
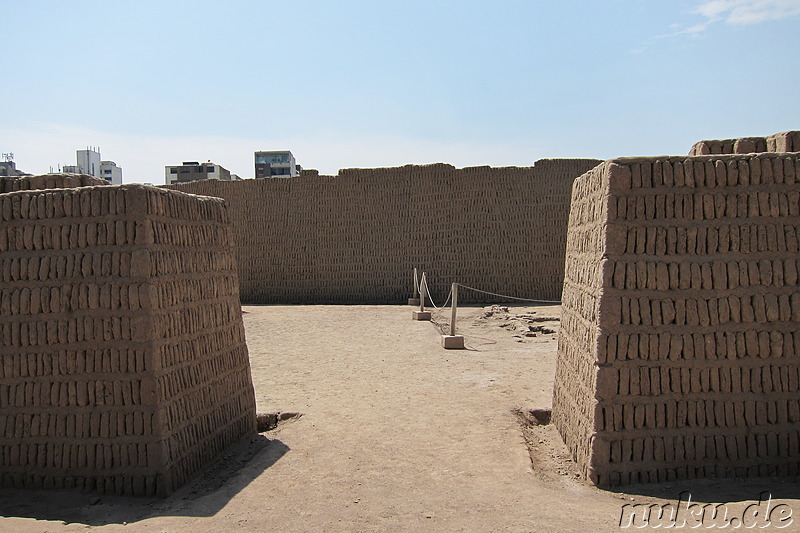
(414, 300)
(422, 293)
(454, 307)
(453, 341)
(422, 314)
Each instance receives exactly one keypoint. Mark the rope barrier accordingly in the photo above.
(418, 286)
(442, 324)
(428, 294)
(438, 316)
(509, 297)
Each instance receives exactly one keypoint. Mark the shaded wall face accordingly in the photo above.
(356, 238)
(123, 366)
(681, 358)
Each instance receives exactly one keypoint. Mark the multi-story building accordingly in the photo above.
(276, 164)
(8, 167)
(111, 172)
(89, 163)
(194, 171)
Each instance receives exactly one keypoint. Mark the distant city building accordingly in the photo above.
(89, 163)
(111, 172)
(8, 167)
(276, 164)
(194, 171)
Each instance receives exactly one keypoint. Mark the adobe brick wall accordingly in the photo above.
(787, 141)
(47, 181)
(123, 364)
(356, 237)
(679, 352)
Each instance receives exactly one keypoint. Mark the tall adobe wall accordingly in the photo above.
(356, 238)
(679, 352)
(787, 141)
(123, 364)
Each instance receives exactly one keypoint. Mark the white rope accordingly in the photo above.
(509, 297)
(428, 294)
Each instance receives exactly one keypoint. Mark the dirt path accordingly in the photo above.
(397, 434)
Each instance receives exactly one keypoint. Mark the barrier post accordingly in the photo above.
(453, 341)
(454, 307)
(414, 300)
(422, 314)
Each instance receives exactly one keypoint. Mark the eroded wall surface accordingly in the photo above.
(356, 237)
(47, 181)
(124, 365)
(787, 141)
(679, 352)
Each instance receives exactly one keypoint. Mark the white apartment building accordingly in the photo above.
(89, 163)
(110, 172)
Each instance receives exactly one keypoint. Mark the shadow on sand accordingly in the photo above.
(719, 490)
(552, 462)
(204, 495)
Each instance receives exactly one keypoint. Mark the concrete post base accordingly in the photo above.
(420, 315)
(413, 301)
(453, 342)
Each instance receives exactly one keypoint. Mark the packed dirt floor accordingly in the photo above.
(394, 433)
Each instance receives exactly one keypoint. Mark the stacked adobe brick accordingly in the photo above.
(124, 366)
(356, 237)
(787, 141)
(679, 353)
(47, 181)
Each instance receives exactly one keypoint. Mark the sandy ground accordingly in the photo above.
(396, 434)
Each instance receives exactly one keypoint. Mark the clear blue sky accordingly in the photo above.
(385, 83)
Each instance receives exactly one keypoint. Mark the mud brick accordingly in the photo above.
(613, 418)
(733, 273)
(788, 344)
(643, 350)
(644, 311)
(723, 310)
(667, 311)
(685, 275)
(719, 275)
(763, 344)
(692, 314)
(726, 344)
(678, 174)
(709, 212)
(625, 311)
(772, 444)
(703, 315)
(658, 449)
(622, 347)
(772, 413)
